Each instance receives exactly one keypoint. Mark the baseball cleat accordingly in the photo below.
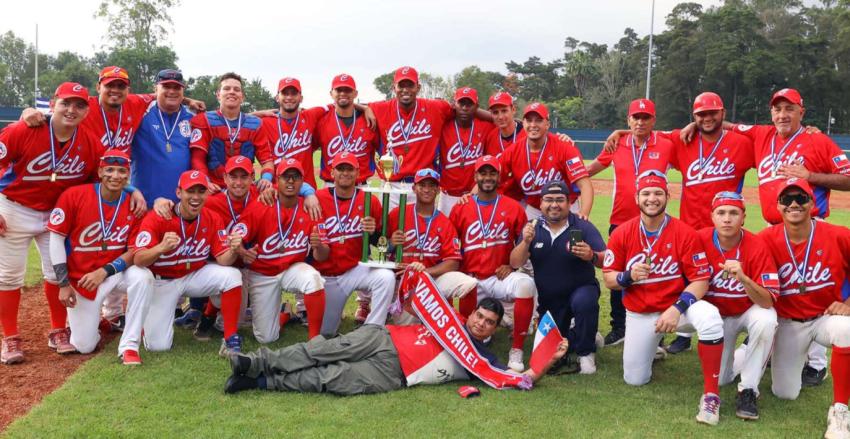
(746, 405)
(587, 364)
(615, 337)
(813, 377)
(837, 422)
(709, 409)
(362, 313)
(60, 341)
(515, 360)
(12, 350)
(680, 344)
(189, 319)
(131, 358)
(203, 332)
(230, 346)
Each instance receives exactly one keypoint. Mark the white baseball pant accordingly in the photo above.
(760, 324)
(113, 304)
(84, 317)
(642, 341)
(452, 285)
(376, 282)
(265, 294)
(22, 226)
(516, 286)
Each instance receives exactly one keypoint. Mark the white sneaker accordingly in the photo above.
(600, 341)
(837, 422)
(660, 353)
(515, 360)
(709, 409)
(587, 364)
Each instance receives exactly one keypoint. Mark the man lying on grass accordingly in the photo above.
(370, 359)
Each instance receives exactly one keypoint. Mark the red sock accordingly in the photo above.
(709, 358)
(10, 301)
(523, 310)
(58, 312)
(231, 300)
(469, 302)
(840, 365)
(315, 304)
(210, 310)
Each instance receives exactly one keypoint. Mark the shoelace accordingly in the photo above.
(13, 344)
(711, 404)
(749, 397)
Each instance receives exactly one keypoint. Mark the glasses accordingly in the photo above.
(728, 195)
(291, 176)
(553, 200)
(652, 172)
(800, 198)
(118, 161)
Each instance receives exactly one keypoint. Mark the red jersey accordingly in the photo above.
(458, 154)
(423, 360)
(293, 138)
(629, 162)
(412, 135)
(487, 233)
(77, 217)
(495, 144)
(344, 229)
(825, 271)
(676, 255)
(558, 160)
(334, 137)
(428, 240)
(25, 155)
(115, 129)
(708, 168)
(281, 237)
(221, 139)
(199, 239)
(817, 152)
(229, 211)
(728, 295)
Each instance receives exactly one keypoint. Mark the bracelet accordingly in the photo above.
(266, 176)
(624, 279)
(686, 299)
(119, 265)
(129, 189)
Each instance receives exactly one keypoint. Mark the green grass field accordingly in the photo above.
(179, 393)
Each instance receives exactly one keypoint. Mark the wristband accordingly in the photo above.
(306, 190)
(129, 189)
(594, 258)
(61, 271)
(686, 299)
(624, 279)
(267, 176)
(110, 270)
(119, 265)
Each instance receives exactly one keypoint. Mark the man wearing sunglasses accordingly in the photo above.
(743, 286)
(812, 258)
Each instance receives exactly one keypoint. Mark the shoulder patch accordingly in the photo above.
(609, 258)
(196, 134)
(143, 239)
(57, 216)
(3, 150)
(185, 128)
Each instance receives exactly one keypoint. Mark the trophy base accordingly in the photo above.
(386, 190)
(374, 264)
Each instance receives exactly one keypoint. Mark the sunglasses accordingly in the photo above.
(117, 161)
(728, 195)
(800, 198)
(430, 173)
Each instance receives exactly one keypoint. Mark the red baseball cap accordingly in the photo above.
(346, 157)
(113, 73)
(488, 160)
(406, 72)
(652, 179)
(71, 90)
(343, 80)
(728, 198)
(466, 93)
(426, 173)
(800, 183)
(536, 107)
(289, 82)
(707, 101)
(239, 162)
(789, 94)
(115, 157)
(501, 98)
(288, 164)
(642, 106)
(191, 179)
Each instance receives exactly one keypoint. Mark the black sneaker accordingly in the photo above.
(240, 364)
(204, 330)
(238, 383)
(746, 405)
(813, 377)
(568, 364)
(680, 344)
(616, 336)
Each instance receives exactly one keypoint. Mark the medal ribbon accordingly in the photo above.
(292, 132)
(350, 208)
(233, 214)
(637, 157)
(797, 270)
(233, 137)
(405, 130)
(280, 231)
(485, 229)
(644, 235)
(110, 136)
(53, 161)
(183, 229)
(775, 157)
(703, 162)
(420, 239)
(346, 141)
(169, 133)
(465, 148)
(104, 230)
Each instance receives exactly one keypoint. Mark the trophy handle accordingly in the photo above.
(402, 208)
(367, 207)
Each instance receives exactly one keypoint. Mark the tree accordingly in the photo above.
(204, 87)
(486, 83)
(431, 86)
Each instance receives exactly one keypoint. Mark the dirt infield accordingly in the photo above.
(23, 385)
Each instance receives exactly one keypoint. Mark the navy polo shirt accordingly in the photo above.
(557, 271)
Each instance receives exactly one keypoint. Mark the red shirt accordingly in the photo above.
(211, 134)
(195, 247)
(344, 230)
(495, 144)
(656, 156)
(676, 256)
(333, 137)
(486, 247)
(423, 132)
(722, 169)
(290, 141)
(558, 160)
(259, 226)
(817, 152)
(120, 126)
(76, 217)
(439, 240)
(25, 155)
(728, 295)
(229, 212)
(825, 272)
(422, 358)
(458, 156)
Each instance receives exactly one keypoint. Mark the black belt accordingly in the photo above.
(158, 277)
(806, 320)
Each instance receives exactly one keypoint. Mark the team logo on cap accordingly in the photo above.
(405, 70)
(196, 135)
(287, 80)
(195, 174)
(185, 128)
(117, 70)
(466, 90)
(609, 258)
(143, 239)
(534, 106)
(77, 87)
(239, 159)
(642, 105)
(3, 150)
(343, 77)
(57, 216)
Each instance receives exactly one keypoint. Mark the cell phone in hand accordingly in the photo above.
(575, 237)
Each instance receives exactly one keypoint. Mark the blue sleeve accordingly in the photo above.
(306, 190)
(593, 238)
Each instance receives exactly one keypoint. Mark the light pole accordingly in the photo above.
(649, 52)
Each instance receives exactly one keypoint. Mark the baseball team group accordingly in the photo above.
(151, 212)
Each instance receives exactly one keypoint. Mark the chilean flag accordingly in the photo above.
(546, 342)
(840, 161)
(700, 259)
(574, 163)
(770, 280)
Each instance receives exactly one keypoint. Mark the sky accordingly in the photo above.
(315, 40)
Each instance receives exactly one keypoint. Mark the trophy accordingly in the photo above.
(386, 163)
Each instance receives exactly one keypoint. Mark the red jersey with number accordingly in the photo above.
(412, 135)
(200, 239)
(25, 156)
(77, 218)
(293, 138)
(120, 126)
(486, 240)
(281, 237)
(676, 256)
(729, 295)
(629, 162)
(458, 155)
(334, 137)
(558, 160)
(344, 229)
(229, 211)
(424, 243)
(825, 273)
(221, 139)
(495, 144)
(715, 167)
(817, 152)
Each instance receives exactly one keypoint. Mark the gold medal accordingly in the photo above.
(167, 146)
(647, 260)
(188, 265)
(103, 245)
(802, 289)
(53, 177)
